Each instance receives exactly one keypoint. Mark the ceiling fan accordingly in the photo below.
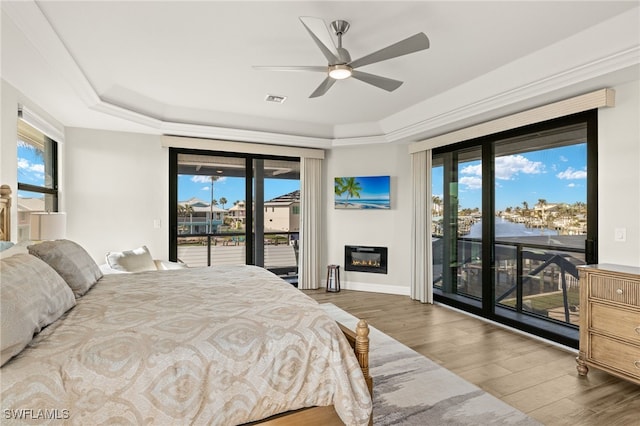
(340, 65)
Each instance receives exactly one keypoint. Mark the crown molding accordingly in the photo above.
(31, 21)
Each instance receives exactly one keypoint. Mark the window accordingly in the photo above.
(513, 216)
(37, 175)
(240, 192)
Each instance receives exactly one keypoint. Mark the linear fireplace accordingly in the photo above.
(365, 259)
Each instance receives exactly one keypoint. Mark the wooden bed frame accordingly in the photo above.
(321, 416)
(5, 213)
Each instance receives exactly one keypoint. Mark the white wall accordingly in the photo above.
(619, 177)
(117, 185)
(389, 228)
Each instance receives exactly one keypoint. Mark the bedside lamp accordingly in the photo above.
(48, 226)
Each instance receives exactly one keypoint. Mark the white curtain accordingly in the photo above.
(310, 223)
(421, 256)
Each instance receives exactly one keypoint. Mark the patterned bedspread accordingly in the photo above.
(223, 346)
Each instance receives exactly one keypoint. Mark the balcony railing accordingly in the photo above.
(228, 248)
(529, 277)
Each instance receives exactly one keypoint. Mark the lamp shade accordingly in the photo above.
(48, 226)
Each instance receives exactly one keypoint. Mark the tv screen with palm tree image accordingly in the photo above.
(363, 192)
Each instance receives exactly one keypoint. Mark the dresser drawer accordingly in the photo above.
(615, 289)
(622, 357)
(621, 323)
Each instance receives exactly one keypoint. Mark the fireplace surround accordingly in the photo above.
(365, 259)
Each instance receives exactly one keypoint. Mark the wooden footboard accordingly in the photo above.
(5, 213)
(359, 341)
(327, 416)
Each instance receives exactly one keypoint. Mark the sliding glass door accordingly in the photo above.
(541, 222)
(457, 238)
(513, 218)
(231, 209)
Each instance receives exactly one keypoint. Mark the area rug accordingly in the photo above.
(410, 389)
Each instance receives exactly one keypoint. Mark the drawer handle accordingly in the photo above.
(619, 291)
(637, 364)
(637, 329)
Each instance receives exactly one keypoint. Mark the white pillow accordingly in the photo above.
(136, 260)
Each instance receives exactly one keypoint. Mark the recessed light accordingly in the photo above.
(275, 98)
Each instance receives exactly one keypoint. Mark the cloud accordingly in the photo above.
(571, 173)
(205, 188)
(511, 165)
(571, 185)
(24, 164)
(472, 170)
(563, 159)
(508, 167)
(36, 171)
(471, 182)
(207, 179)
(200, 179)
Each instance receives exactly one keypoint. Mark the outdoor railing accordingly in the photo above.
(530, 277)
(228, 248)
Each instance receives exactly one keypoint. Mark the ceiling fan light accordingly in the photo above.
(339, 72)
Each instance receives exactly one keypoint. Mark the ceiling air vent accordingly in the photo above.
(276, 99)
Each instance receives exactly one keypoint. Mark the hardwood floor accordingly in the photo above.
(535, 376)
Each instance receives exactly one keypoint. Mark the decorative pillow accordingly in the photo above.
(136, 260)
(71, 261)
(32, 296)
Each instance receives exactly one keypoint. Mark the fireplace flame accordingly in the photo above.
(369, 263)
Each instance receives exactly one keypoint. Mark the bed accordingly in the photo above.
(224, 345)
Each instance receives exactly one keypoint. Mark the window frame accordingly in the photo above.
(561, 333)
(54, 172)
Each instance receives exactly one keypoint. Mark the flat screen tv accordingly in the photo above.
(362, 192)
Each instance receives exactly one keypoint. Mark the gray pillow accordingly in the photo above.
(71, 261)
(32, 296)
(136, 260)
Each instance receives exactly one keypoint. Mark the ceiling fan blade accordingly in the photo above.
(291, 68)
(322, 89)
(412, 44)
(385, 83)
(321, 36)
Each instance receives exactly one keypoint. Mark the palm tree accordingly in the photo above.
(223, 201)
(437, 204)
(348, 185)
(338, 186)
(184, 210)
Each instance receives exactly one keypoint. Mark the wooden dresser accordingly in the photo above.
(610, 320)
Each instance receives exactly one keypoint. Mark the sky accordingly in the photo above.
(373, 187)
(558, 175)
(231, 188)
(30, 169)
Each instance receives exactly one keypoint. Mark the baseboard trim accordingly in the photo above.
(375, 288)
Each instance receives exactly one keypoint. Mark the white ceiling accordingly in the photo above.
(167, 65)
